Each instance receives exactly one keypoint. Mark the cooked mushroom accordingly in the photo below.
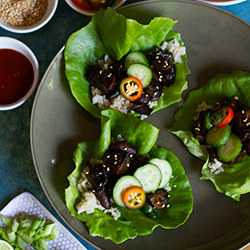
(157, 200)
(154, 90)
(103, 196)
(97, 176)
(102, 79)
(120, 157)
(142, 109)
(242, 118)
(199, 130)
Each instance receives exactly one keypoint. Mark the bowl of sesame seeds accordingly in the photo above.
(26, 16)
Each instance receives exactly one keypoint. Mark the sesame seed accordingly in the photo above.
(22, 12)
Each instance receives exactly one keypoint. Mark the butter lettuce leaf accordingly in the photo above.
(131, 223)
(92, 42)
(235, 180)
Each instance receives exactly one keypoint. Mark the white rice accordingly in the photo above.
(89, 202)
(216, 167)
(175, 48)
(118, 103)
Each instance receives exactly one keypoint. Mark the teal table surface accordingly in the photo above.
(17, 173)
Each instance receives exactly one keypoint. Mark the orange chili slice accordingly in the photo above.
(134, 197)
(131, 88)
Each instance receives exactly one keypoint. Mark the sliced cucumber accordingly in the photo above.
(150, 177)
(135, 57)
(231, 149)
(218, 136)
(165, 168)
(142, 72)
(123, 183)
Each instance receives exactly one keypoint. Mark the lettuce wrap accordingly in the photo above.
(235, 180)
(142, 136)
(109, 33)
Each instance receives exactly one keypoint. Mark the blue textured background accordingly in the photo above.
(17, 173)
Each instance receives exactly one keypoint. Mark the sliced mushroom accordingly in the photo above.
(97, 176)
(120, 157)
(103, 196)
(157, 200)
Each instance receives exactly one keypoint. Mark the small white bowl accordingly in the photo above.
(51, 8)
(14, 44)
(221, 2)
(117, 4)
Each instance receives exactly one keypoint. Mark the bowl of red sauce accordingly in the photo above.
(19, 73)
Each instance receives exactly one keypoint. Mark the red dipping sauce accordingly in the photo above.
(16, 76)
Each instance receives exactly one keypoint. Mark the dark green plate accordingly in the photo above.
(217, 42)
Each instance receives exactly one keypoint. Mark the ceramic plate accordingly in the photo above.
(27, 203)
(222, 2)
(217, 42)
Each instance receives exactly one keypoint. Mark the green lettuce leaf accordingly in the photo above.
(132, 223)
(92, 42)
(235, 180)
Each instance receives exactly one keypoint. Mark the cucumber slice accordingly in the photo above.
(135, 57)
(231, 149)
(123, 183)
(165, 168)
(218, 136)
(142, 72)
(150, 177)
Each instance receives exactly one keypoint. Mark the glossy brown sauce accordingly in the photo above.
(16, 75)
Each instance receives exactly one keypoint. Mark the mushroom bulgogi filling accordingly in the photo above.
(120, 160)
(108, 79)
(240, 126)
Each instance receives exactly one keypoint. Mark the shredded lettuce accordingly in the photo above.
(92, 42)
(132, 223)
(235, 180)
